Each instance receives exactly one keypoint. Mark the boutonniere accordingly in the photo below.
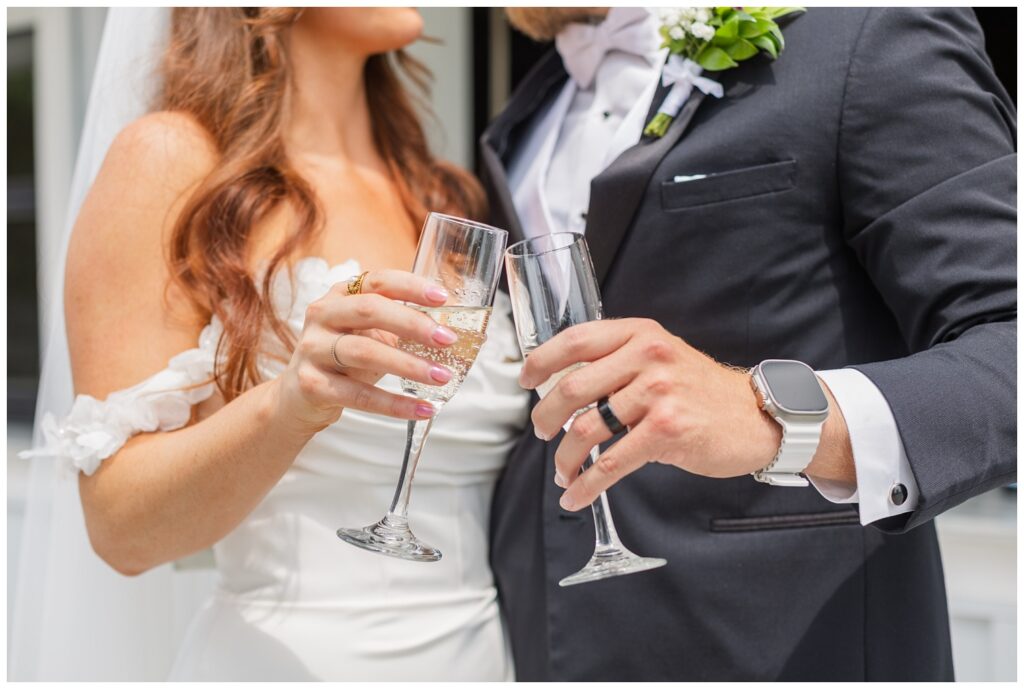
(711, 39)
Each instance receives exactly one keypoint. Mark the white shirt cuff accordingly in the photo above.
(878, 454)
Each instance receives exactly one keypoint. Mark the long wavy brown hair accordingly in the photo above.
(228, 68)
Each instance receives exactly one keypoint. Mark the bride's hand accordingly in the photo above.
(314, 389)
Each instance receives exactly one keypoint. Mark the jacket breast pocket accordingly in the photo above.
(731, 185)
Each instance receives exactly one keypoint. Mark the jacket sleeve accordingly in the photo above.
(927, 174)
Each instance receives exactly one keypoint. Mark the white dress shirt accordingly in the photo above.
(580, 133)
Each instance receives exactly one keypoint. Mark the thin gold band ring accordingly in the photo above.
(334, 353)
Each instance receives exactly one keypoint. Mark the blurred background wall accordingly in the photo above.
(51, 53)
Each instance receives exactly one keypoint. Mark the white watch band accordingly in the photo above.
(800, 435)
(799, 443)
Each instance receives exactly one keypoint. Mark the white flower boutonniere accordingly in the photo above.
(711, 39)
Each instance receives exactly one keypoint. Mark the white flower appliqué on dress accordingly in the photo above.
(94, 430)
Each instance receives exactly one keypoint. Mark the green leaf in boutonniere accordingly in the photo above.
(767, 45)
(712, 39)
(741, 50)
(714, 59)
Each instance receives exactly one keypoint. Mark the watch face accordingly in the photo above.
(793, 387)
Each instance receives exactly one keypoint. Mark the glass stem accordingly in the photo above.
(604, 527)
(416, 434)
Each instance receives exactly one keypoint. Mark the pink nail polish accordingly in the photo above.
(437, 293)
(425, 410)
(443, 335)
(441, 375)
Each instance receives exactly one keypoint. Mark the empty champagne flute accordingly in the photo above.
(553, 287)
(464, 257)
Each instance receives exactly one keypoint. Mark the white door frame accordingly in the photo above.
(54, 122)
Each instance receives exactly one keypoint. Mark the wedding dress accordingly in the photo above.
(294, 602)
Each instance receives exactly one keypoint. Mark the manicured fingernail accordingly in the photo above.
(424, 410)
(443, 335)
(540, 436)
(437, 293)
(559, 481)
(525, 383)
(566, 502)
(441, 375)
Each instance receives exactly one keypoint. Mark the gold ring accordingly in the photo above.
(334, 353)
(356, 286)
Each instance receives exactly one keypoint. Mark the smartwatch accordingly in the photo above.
(791, 393)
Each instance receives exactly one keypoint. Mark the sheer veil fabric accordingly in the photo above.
(74, 618)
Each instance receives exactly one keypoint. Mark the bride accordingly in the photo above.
(206, 283)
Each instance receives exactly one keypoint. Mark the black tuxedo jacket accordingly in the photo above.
(859, 210)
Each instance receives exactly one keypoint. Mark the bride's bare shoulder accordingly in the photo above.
(122, 321)
(147, 173)
(126, 220)
(166, 143)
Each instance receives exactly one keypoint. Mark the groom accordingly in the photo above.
(850, 206)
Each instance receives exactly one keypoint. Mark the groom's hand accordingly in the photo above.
(682, 407)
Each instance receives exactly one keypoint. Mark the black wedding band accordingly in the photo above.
(610, 420)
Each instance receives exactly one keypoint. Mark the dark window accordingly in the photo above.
(482, 70)
(526, 52)
(1000, 27)
(22, 299)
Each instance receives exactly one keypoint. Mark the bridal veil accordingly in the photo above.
(74, 618)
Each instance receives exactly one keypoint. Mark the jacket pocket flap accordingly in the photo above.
(786, 521)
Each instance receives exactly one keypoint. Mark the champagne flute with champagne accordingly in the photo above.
(464, 257)
(553, 287)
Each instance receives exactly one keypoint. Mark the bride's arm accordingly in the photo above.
(165, 495)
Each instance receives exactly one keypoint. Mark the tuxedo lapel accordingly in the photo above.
(528, 97)
(503, 211)
(615, 194)
(659, 95)
(495, 142)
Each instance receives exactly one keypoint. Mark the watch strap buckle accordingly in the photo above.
(781, 479)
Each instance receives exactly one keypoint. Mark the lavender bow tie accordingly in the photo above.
(583, 46)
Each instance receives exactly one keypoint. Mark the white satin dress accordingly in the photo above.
(293, 602)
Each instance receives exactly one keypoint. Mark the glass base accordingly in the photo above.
(612, 562)
(391, 536)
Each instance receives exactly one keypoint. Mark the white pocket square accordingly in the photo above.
(687, 178)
